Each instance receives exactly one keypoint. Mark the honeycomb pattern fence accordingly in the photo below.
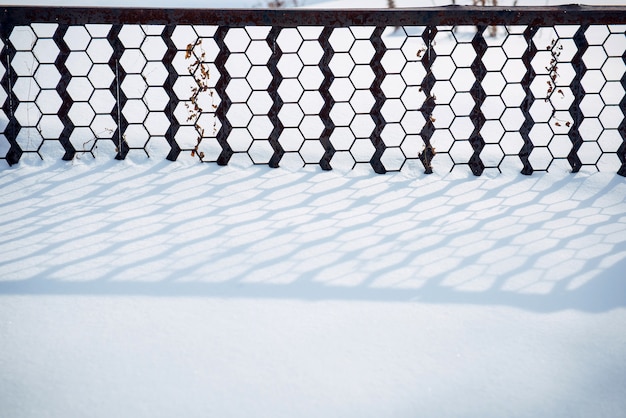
(476, 88)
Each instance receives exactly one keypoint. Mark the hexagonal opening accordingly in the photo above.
(50, 127)
(26, 89)
(154, 73)
(393, 85)
(311, 127)
(311, 78)
(443, 68)
(493, 107)
(442, 116)
(362, 150)
(413, 73)
(290, 115)
(463, 55)
(461, 151)
(393, 134)
(462, 104)
(99, 51)
(135, 111)
(512, 143)
(393, 61)
(393, 110)
(47, 76)
(239, 115)
(80, 89)
(49, 102)
(310, 52)
(259, 52)
(101, 76)
(362, 101)
(136, 136)
(393, 159)
(514, 46)
(512, 119)
(463, 79)
(342, 138)
(493, 84)
(560, 146)
(312, 151)
(132, 36)
(289, 40)
(494, 59)
(413, 122)
(513, 95)
(83, 139)
(134, 86)
(103, 126)
(156, 99)
(46, 51)
(23, 38)
(492, 131)
(259, 78)
(291, 139)
(290, 90)
(541, 134)
(157, 123)
(260, 127)
(341, 89)
(514, 70)
(593, 81)
(342, 114)
(290, 65)
(81, 114)
(240, 140)
(341, 39)
(341, 65)
(462, 127)
(133, 61)
(311, 102)
(238, 90)
(260, 102)
(238, 65)
(24, 63)
(362, 77)
(362, 126)
(591, 105)
(492, 155)
(362, 51)
(590, 129)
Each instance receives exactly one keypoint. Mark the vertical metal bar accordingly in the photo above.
(8, 80)
(621, 151)
(120, 98)
(379, 100)
(225, 102)
(168, 86)
(427, 108)
(529, 99)
(579, 93)
(61, 88)
(478, 94)
(277, 102)
(329, 101)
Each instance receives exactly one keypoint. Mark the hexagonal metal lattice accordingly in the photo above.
(370, 88)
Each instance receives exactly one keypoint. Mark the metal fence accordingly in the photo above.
(484, 87)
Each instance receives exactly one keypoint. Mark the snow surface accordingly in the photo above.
(148, 288)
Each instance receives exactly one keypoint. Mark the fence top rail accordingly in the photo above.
(452, 15)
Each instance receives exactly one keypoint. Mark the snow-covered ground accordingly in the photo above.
(147, 288)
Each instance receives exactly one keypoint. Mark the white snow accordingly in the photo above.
(147, 288)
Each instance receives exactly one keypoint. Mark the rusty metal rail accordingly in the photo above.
(485, 87)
